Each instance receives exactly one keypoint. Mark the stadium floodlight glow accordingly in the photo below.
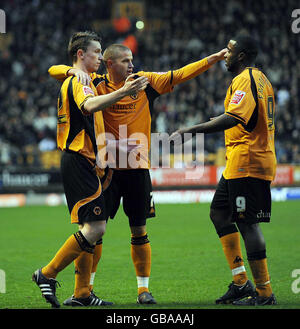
(139, 25)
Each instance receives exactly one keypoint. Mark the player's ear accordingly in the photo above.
(108, 63)
(80, 53)
(241, 56)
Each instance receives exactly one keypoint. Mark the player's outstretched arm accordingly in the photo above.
(219, 56)
(192, 70)
(101, 102)
(216, 124)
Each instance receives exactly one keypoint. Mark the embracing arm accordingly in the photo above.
(61, 72)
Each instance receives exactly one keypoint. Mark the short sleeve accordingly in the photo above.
(82, 93)
(241, 103)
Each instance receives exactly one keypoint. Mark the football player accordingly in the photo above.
(243, 196)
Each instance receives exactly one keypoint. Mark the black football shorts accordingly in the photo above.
(135, 187)
(83, 188)
(248, 198)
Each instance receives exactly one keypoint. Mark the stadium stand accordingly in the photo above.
(176, 33)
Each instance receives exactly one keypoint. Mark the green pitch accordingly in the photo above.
(189, 270)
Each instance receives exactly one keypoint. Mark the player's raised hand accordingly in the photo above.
(222, 53)
(133, 86)
(176, 137)
(180, 136)
(82, 77)
(216, 57)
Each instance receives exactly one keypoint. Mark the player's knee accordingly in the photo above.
(220, 218)
(253, 237)
(139, 240)
(212, 214)
(138, 230)
(139, 235)
(94, 231)
(215, 217)
(100, 229)
(250, 229)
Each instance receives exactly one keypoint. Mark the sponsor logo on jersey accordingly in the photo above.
(87, 91)
(237, 97)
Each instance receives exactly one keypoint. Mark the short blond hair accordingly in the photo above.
(113, 51)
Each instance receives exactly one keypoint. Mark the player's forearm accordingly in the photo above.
(190, 71)
(205, 128)
(214, 58)
(100, 103)
(220, 123)
(59, 72)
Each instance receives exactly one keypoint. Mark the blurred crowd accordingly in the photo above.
(178, 33)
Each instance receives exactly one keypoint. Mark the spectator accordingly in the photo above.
(183, 31)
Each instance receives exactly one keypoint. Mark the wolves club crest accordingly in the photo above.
(134, 96)
(97, 211)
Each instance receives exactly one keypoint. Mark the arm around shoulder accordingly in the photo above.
(59, 72)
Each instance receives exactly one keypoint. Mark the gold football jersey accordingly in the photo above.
(78, 130)
(131, 116)
(250, 149)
